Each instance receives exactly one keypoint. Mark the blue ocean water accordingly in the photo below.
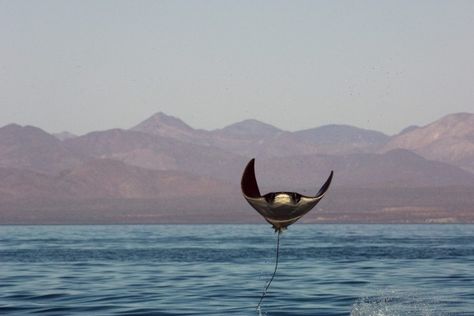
(221, 270)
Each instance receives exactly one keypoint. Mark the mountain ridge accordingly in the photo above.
(449, 139)
(166, 171)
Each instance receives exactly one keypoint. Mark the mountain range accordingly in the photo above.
(164, 171)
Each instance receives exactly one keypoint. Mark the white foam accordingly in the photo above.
(396, 303)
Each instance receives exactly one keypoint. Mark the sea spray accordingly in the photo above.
(396, 303)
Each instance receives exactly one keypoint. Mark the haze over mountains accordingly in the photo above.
(164, 171)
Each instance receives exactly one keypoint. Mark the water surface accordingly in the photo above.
(221, 270)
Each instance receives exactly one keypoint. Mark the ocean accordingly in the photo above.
(356, 270)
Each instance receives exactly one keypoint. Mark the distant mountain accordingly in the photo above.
(246, 138)
(340, 139)
(164, 125)
(106, 179)
(26, 184)
(449, 139)
(396, 168)
(28, 147)
(341, 134)
(164, 171)
(254, 138)
(157, 152)
(408, 129)
(248, 128)
(108, 191)
(64, 135)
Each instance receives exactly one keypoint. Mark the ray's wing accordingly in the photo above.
(249, 182)
(252, 193)
(324, 188)
(306, 203)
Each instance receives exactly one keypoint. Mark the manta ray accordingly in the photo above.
(280, 209)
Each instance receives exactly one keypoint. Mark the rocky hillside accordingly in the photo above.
(449, 139)
(28, 147)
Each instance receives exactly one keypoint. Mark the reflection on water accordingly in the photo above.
(221, 270)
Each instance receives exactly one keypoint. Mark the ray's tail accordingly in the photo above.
(274, 271)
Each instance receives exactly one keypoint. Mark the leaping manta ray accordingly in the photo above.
(280, 209)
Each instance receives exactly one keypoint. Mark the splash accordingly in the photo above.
(396, 303)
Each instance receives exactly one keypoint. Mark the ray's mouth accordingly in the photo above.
(282, 198)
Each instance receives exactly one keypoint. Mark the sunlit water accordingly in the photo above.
(325, 270)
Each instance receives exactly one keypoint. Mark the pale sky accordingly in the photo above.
(93, 65)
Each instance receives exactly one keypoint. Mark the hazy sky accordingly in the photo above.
(93, 65)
